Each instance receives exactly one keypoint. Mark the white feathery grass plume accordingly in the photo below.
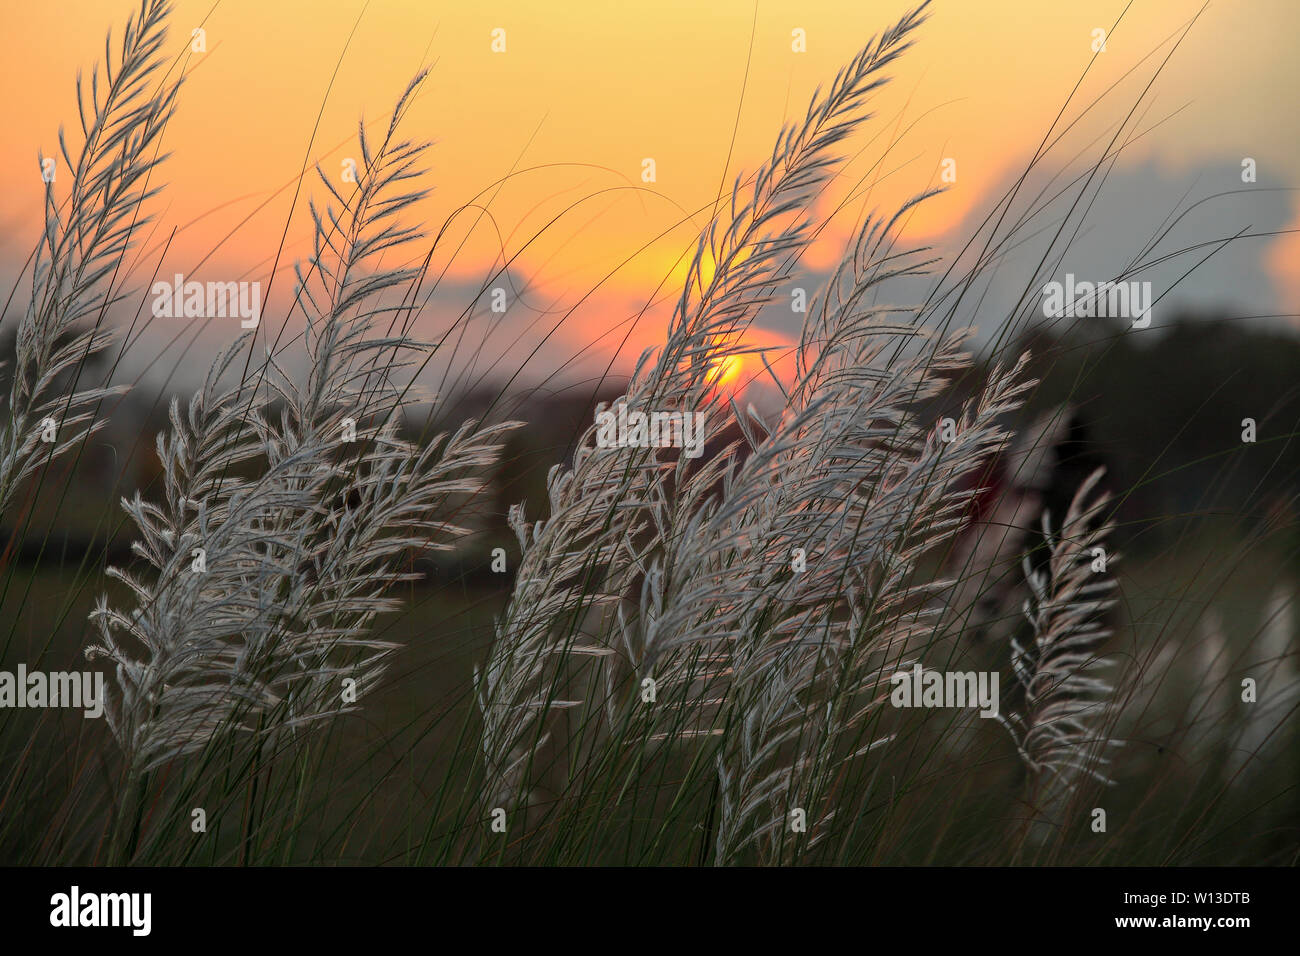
(1059, 732)
(299, 559)
(772, 658)
(613, 507)
(80, 252)
(867, 488)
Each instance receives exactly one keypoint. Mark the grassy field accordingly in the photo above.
(390, 783)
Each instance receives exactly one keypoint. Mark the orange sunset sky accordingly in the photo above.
(558, 126)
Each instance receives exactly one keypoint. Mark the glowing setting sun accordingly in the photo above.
(727, 371)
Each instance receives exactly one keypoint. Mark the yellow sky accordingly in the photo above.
(587, 89)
